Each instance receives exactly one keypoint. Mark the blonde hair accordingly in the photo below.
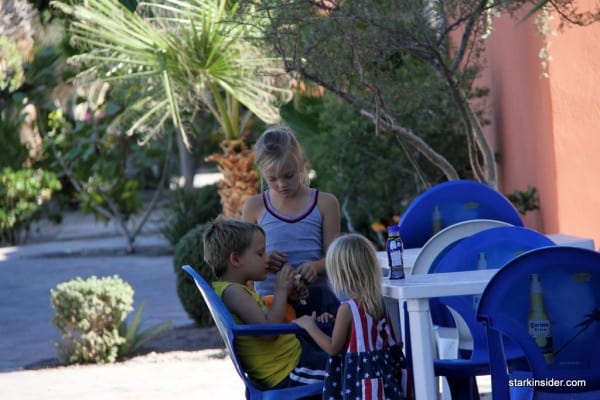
(354, 272)
(275, 146)
(223, 237)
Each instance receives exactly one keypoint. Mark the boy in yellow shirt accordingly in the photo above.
(235, 250)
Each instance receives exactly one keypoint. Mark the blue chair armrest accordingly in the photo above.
(274, 329)
(265, 329)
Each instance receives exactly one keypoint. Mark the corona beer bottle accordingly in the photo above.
(436, 220)
(539, 321)
(481, 264)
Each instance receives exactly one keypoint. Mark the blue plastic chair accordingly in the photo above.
(458, 200)
(447, 238)
(500, 245)
(230, 331)
(570, 283)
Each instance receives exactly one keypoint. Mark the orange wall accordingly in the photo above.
(547, 130)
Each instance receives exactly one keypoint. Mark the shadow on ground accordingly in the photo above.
(189, 338)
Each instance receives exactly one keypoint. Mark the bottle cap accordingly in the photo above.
(536, 285)
(393, 229)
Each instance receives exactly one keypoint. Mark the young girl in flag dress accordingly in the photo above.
(366, 359)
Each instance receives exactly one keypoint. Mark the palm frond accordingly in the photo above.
(199, 56)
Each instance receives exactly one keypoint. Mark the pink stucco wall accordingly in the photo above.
(547, 130)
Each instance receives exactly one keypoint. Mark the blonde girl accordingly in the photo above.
(366, 359)
(299, 221)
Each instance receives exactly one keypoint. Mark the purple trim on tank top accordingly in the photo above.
(296, 218)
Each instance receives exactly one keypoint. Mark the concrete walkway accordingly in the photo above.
(82, 247)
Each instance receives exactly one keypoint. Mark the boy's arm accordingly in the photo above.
(242, 304)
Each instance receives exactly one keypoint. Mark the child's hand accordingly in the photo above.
(306, 321)
(300, 290)
(276, 261)
(308, 272)
(325, 318)
(285, 281)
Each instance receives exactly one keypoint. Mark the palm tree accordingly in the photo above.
(192, 59)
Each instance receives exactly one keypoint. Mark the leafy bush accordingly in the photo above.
(88, 315)
(104, 166)
(190, 251)
(14, 153)
(526, 200)
(188, 208)
(22, 194)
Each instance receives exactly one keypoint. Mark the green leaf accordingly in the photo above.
(135, 337)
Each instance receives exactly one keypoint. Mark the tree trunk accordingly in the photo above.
(187, 166)
(240, 180)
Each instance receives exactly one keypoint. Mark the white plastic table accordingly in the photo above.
(416, 290)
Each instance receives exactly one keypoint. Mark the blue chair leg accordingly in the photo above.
(463, 388)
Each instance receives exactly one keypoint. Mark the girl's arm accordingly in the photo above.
(335, 343)
(252, 208)
(330, 210)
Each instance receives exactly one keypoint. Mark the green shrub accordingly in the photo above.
(22, 195)
(188, 208)
(88, 315)
(14, 153)
(190, 251)
(526, 200)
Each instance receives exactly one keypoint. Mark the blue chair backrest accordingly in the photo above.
(221, 316)
(443, 241)
(570, 283)
(500, 245)
(458, 200)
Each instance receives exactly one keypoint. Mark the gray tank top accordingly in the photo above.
(300, 236)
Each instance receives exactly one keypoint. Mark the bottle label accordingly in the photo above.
(396, 259)
(540, 331)
(539, 328)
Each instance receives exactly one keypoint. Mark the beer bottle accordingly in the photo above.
(539, 321)
(481, 264)
(436, 220)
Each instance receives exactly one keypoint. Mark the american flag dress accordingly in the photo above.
(371, 367)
